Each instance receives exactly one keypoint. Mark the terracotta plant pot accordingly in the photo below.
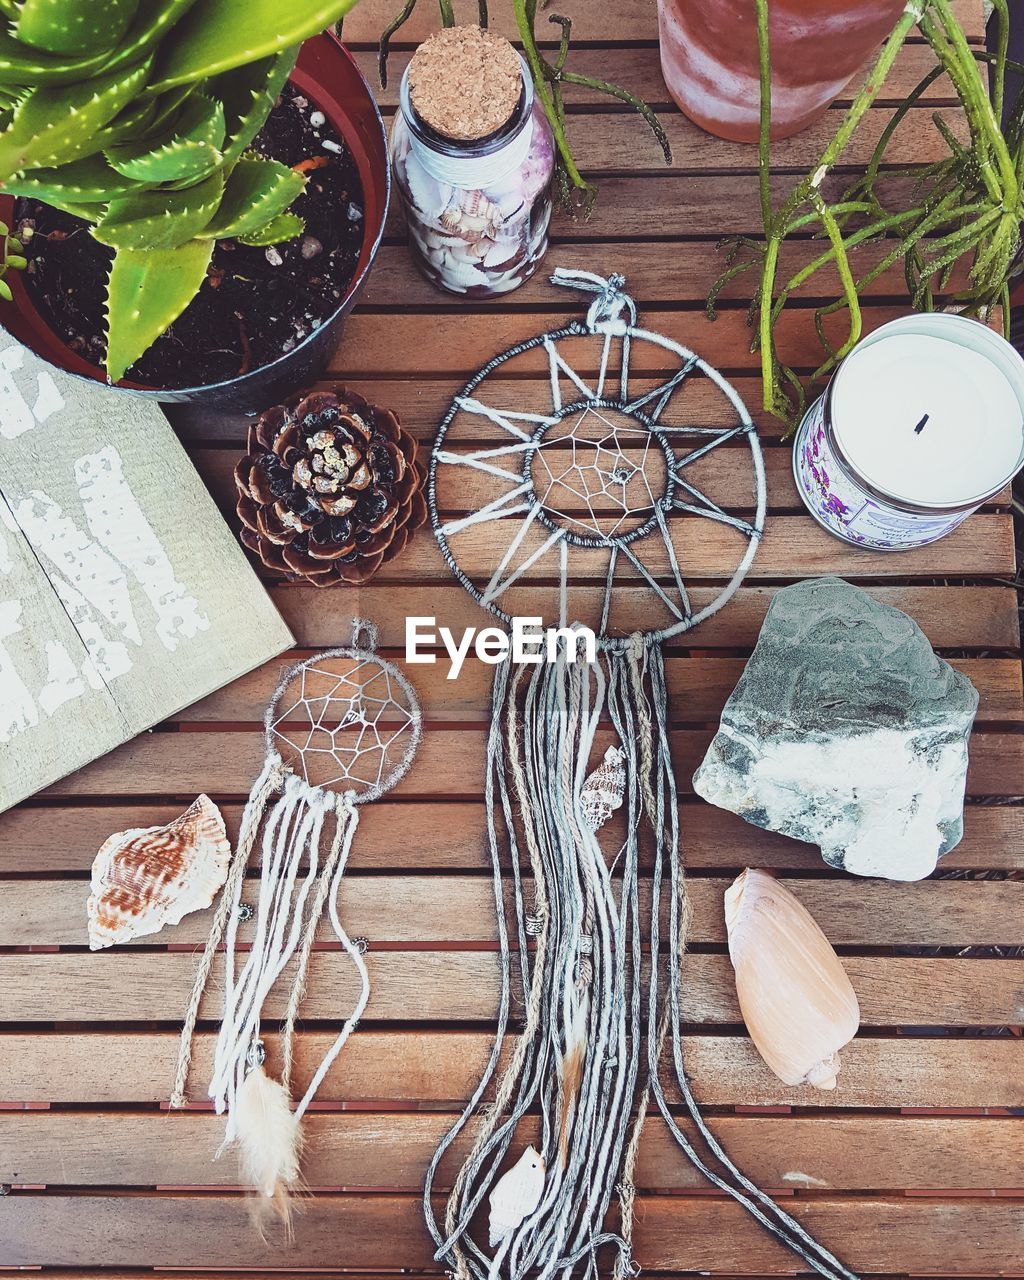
(709, 58)
(327, 74)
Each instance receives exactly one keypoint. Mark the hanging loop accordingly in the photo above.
(364, 634)
(605, 313)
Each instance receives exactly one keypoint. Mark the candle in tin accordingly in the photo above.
(920, 424)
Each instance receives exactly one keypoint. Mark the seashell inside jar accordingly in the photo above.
(473, 160)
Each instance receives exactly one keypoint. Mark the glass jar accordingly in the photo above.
(477, 212)
(709, 58)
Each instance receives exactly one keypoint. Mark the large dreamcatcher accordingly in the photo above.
(341, 729)
(588, 497)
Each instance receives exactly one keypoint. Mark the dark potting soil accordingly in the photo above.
(255, 303)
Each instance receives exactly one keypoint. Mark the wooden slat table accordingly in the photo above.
(914, 1166)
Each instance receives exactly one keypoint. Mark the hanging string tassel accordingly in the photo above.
(575, 1061)
(266, 784)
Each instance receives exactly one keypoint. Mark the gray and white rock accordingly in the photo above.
(846, 730)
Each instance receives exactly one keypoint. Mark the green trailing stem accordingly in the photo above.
(137, 116)
(548, 78)
(963, 220)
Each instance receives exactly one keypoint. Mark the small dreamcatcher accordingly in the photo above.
(594, 493)
(341, 729)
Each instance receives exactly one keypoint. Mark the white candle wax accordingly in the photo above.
(933, 418)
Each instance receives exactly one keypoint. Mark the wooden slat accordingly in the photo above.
(455, 986)
(460, 909)
(391, 1152)
(629, 20)
(982, 617)
(453, 837)
(421, 403)
(637, 70)
(613, 142)
(792, 547)
(449, 763)
(698, 689)
(404, 345)
(392, 283)
(443, 1067)
(975, 1237)
(722, 475)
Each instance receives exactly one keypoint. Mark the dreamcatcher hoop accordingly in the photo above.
(604, 318)
(361, 651)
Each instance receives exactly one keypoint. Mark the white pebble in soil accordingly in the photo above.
(273, 257)
(354, 213)
(317, 118)
(310, 247)
(329, 145)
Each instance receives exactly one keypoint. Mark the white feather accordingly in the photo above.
(515, 1196)
(267, 1134)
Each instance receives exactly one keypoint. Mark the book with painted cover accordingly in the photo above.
(124, 596)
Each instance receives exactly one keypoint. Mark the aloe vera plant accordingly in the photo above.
(137, 116)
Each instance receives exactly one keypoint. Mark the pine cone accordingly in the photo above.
(329, 488)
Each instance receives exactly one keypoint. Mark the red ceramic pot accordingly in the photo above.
(709, 58)
(327, 74)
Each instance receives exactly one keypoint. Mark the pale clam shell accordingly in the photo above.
(147, 877)
(797, 1001)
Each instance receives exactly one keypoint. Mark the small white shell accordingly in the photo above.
(147, 877)
(515, 1196)
(430, 197)
(602, 792)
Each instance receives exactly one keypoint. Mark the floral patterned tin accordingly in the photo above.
(911, 438)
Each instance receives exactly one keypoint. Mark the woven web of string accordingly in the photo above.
(347, 728)
(610, 443)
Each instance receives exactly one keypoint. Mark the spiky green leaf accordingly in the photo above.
(184, 151)
(89, 181)
(20, 65)
(87, 212)
(159, 219)
(152, 23)
(248, 93)
(286, 226)
(147, 291)
(220, 34)
(256, 191)
(133, 122)
(73, 27)
(56, 125)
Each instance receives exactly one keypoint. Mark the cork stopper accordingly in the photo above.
(465, 83)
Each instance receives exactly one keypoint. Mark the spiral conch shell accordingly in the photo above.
(602, 792)
(147, 877)
(796, 999)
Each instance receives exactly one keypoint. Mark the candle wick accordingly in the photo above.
(920, 426)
